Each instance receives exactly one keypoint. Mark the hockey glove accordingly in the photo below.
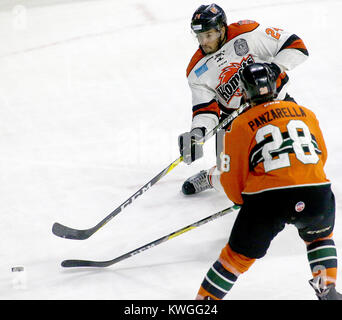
(189, 146)
(274, 69)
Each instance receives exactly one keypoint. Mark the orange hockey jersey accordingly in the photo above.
(271, 146)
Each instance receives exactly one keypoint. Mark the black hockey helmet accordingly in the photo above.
(258, 82)
(207, 17)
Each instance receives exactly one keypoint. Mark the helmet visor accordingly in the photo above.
(209, 36)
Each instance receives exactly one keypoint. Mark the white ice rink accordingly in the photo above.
(93, 96)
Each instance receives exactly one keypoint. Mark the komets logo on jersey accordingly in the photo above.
(229, 78)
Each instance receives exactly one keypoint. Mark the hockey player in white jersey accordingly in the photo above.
(214, 73)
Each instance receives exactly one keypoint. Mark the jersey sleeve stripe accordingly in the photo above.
(206, 112)
(209, 107)
(294, 42)
(203, 105)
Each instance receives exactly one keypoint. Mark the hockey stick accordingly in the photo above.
(102, 264)
(70, 233)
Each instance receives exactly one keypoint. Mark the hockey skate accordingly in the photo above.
(197, 183)
(324, 292)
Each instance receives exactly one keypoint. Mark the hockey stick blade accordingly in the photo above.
(85, 263)
(72, 263)
(70, 233)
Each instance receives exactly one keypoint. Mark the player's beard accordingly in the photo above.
(208, 49)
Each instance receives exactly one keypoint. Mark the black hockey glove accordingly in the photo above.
(274, 69)
(189, 146)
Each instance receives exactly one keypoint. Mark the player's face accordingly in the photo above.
(210, 40)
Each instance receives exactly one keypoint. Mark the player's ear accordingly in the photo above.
(223, 30)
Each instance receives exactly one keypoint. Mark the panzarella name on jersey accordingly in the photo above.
(229, 79)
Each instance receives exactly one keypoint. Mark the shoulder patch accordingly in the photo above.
(242, 22)
(241, 27)
(194, 60)
(203, 68)
(241, 47)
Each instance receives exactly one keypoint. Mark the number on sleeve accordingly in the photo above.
(225, 162)
(273, 32)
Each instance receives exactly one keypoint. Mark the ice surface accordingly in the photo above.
(93, 96)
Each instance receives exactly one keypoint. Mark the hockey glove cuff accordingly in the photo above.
(189, 146)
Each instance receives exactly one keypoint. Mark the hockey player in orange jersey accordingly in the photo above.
(276, 173)
(213, 74)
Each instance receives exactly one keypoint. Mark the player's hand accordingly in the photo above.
(189, 146)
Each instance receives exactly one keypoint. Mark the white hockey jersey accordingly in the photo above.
(214, 78)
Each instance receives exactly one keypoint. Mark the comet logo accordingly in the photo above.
(229, 78)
